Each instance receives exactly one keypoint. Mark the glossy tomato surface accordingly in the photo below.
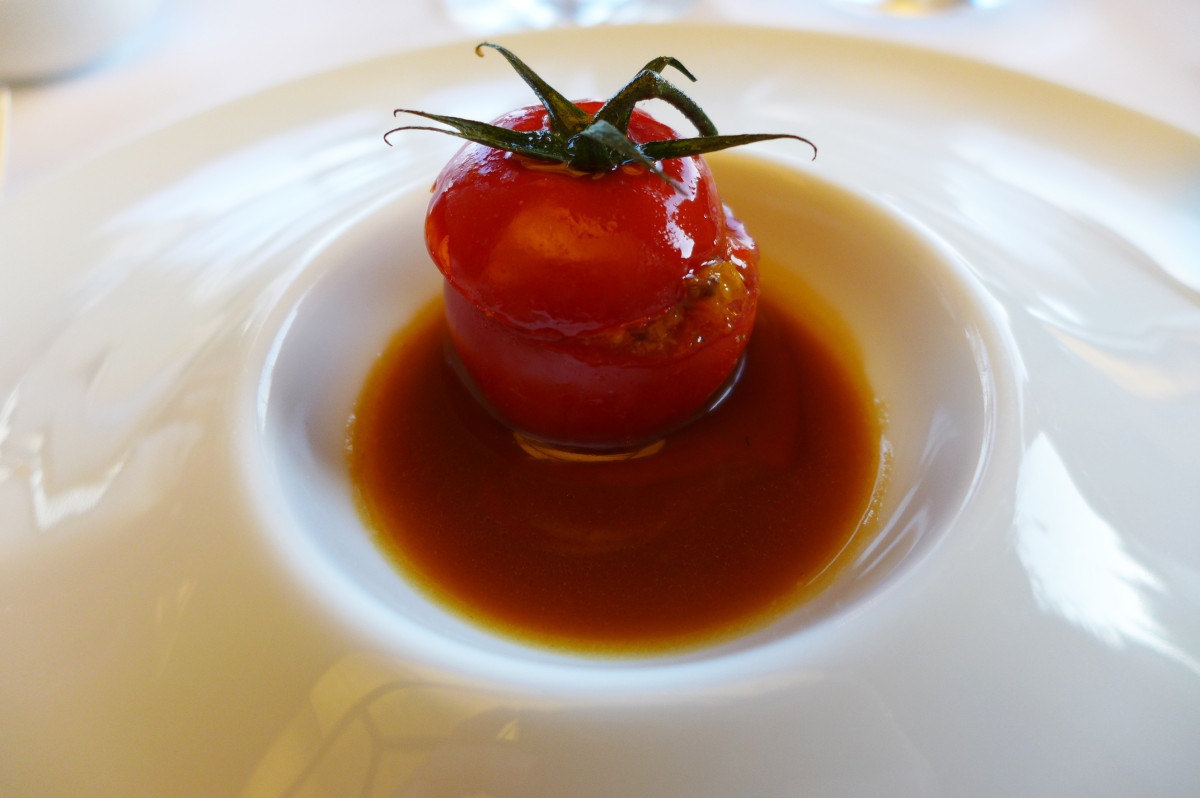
(591, 309)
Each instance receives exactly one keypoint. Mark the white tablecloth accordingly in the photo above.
(197, 54)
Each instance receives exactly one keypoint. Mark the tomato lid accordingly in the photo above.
(550, 249)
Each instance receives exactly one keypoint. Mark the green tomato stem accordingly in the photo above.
(599, 142)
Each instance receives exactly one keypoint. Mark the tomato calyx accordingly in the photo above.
(600, 141)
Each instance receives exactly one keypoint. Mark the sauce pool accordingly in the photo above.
(737, 519)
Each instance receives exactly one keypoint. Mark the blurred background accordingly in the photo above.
(89, 75)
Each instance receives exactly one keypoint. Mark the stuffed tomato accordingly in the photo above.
(598, 293)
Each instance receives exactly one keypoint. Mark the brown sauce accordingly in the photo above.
(739, 517)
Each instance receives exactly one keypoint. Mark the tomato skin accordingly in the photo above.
(547, 272)
(563, 393)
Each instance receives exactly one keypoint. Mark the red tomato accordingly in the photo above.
(597, 309)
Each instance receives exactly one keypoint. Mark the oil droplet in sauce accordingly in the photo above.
(735, 520)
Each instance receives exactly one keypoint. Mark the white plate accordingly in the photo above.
(175, 622)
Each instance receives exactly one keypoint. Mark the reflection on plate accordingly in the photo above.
(170, 627)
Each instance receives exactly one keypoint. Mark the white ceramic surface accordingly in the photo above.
(48, 38)
(171, 627)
